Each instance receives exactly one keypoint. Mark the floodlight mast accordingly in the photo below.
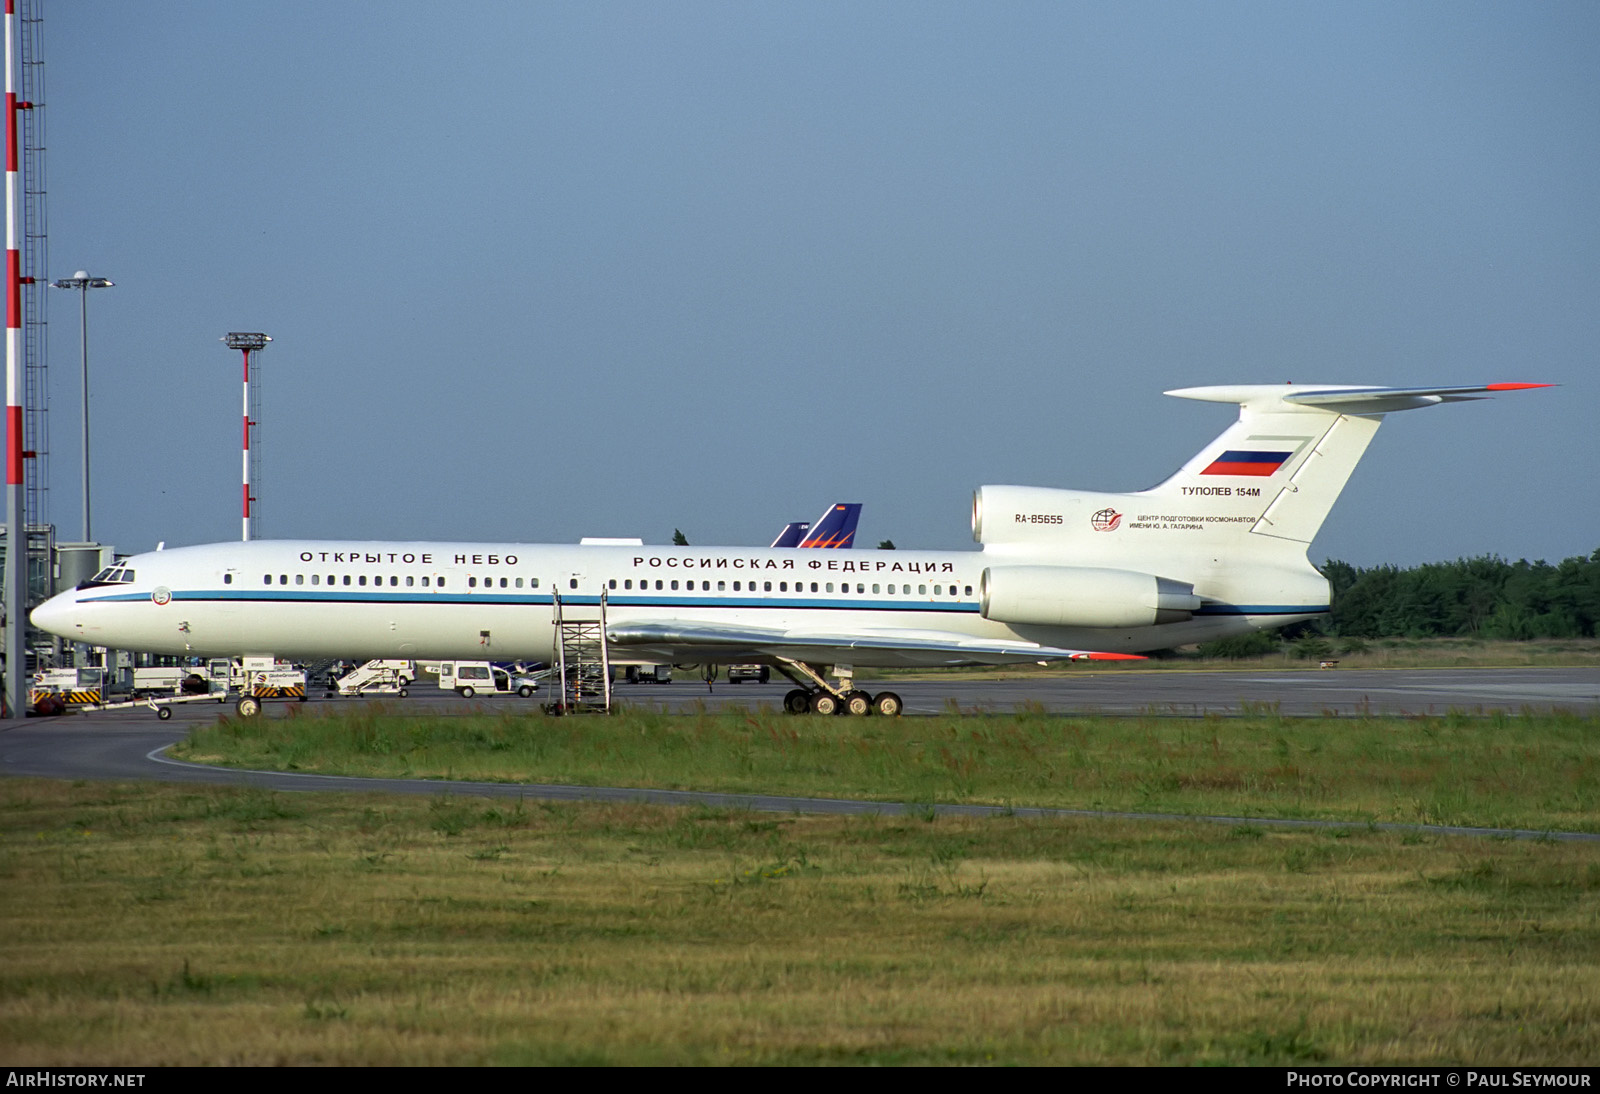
(83, 283)
(247, 342)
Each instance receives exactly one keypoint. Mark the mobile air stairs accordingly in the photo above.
(377, 678)
(583, 663)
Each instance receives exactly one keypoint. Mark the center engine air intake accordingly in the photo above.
(1082, 596)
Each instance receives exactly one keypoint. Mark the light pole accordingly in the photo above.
(248, 342)
(83, 283)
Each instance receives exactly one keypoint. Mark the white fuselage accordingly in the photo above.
(1217, 549)
(434, 601)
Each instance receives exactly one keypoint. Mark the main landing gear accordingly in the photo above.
(816, 696)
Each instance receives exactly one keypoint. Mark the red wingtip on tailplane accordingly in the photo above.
(1514, 387)
(1115, 657)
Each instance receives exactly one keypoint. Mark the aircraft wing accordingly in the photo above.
(698, 641)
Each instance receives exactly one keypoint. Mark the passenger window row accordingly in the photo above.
(783, 587)
(392, 581)
(378, 580)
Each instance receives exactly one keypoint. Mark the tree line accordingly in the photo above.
(1484, 597)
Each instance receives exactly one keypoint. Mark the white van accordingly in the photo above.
(469, 678)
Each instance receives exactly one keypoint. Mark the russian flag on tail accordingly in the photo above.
(1237, 462)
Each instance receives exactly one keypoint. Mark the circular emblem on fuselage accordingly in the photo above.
(1106, 520)
(161, 594)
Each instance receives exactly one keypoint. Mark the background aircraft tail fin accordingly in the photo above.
(836, 527)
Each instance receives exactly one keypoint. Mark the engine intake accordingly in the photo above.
(1082, 596)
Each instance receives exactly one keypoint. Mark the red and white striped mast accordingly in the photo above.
(247, 343)
(16, 564)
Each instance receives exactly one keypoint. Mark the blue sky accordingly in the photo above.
(539, 271)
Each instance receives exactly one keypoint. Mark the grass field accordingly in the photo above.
(161, 925)
(154, 924)
(1538, 771)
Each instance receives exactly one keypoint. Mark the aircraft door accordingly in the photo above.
(579, 597)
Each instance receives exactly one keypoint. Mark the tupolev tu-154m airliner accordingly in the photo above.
(1218, 549)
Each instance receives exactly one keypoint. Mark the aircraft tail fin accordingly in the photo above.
(835, 528)
(792, 534)
(1295, 446)
(1268, 481)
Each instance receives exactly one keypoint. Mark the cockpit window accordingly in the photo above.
(111, 575)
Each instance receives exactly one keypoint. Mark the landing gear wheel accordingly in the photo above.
(823, 702)
(797, 701)
(857, 703)
(164, 713)
(888, 704)
(248, 707)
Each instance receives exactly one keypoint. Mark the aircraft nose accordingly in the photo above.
(58, 615)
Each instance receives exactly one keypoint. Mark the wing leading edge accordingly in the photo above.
(696, 641)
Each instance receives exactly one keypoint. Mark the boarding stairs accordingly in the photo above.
(375, 677)
(583, 662)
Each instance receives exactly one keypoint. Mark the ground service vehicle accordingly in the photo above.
(253, 678)
(381, 677)
(67, 687)
(216, 676)
(469, 678)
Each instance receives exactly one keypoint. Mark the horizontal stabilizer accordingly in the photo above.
(1343, 399)
(1384, 400)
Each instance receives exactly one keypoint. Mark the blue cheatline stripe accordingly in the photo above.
(291, 596)
(634, 600)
